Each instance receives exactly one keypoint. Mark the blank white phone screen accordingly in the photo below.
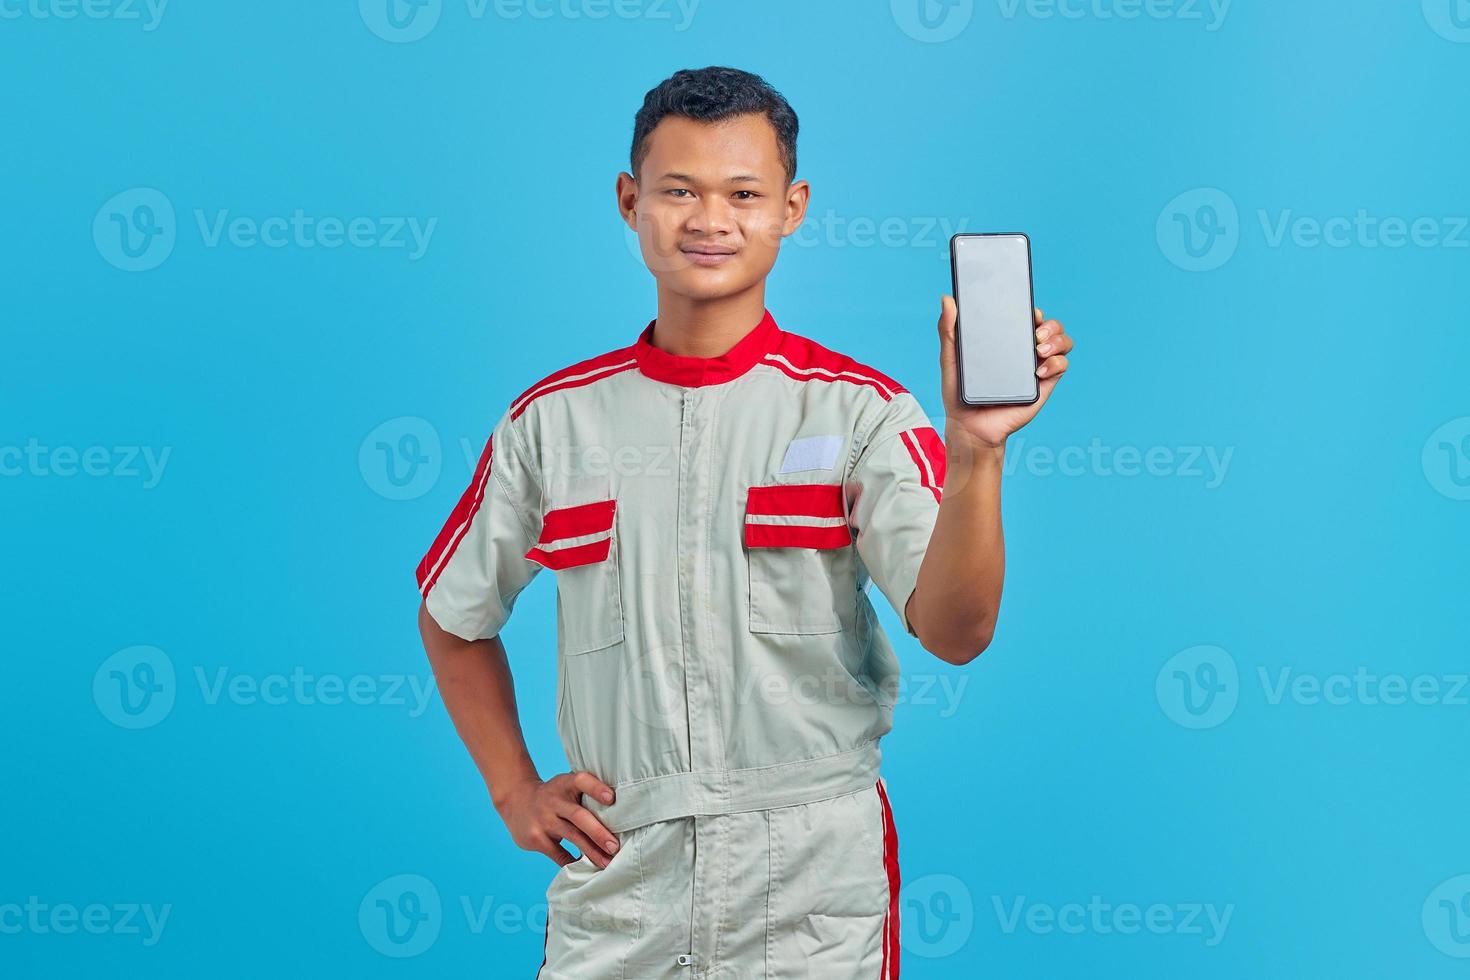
(996, 325)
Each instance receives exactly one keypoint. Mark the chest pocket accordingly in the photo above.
(803, 567)
(579, 542)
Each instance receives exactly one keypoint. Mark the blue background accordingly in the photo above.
(1073, 763)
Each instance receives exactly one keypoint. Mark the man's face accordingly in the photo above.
(711, 205)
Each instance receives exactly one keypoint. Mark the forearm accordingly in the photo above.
(474, 680)
(957, 596)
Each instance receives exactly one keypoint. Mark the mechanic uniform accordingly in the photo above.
(713, 524)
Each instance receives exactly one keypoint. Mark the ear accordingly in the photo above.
(626, 190)
(797, 196)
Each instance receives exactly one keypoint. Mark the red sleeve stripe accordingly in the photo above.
(891, 932)
(579, 374)
(933, 448)
(458, 523)
(572, 522)
(797, 536)
(805, 499)
(931, 465)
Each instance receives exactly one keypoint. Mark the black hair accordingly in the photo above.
(710, 95)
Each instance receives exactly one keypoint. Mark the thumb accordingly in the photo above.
(946, 329)
(947, 369)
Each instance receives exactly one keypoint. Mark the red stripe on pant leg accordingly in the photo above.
(796, 536)
(890, 864)
(796, 499)
(912, 446)
(572, 522)
(933, 448)
(459, 521)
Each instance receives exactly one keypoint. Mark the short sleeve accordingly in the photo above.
(476, 567)
(894, 494)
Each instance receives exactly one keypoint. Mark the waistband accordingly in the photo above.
(687, 794)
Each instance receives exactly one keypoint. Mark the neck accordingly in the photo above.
(706, 328)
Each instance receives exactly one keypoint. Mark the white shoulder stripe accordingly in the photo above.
(569, 379)
(836, 375)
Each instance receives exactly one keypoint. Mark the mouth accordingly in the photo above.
(708, 255)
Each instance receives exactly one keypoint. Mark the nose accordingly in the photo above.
(713, 216)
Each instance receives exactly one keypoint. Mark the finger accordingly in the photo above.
(1052, 339)
(1036, 312)
(583, 843)
(553, 849)
(947, 315)
(1052, 367)
(1049, 328)
(587, 783)
(591, 826)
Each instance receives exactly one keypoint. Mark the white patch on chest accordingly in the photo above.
(811, 453)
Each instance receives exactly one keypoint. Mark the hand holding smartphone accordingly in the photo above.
(995, 346)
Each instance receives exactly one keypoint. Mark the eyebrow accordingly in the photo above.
(734, 179)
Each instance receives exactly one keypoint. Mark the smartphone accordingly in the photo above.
(995, 333)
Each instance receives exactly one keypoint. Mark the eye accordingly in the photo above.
(677, 191)
(749, 195)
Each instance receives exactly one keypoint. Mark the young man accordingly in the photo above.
(713, 499)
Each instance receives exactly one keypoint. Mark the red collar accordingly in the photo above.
(695, 372)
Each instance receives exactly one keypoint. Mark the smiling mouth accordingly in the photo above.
(707, 258)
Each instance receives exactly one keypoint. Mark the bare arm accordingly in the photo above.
(474, 680)
(956, 599)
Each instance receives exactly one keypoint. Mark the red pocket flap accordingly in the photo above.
(563, 524)
(796, 515)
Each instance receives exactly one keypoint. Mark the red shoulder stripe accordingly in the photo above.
(803, 358)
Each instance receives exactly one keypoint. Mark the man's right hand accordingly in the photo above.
(540, 815)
